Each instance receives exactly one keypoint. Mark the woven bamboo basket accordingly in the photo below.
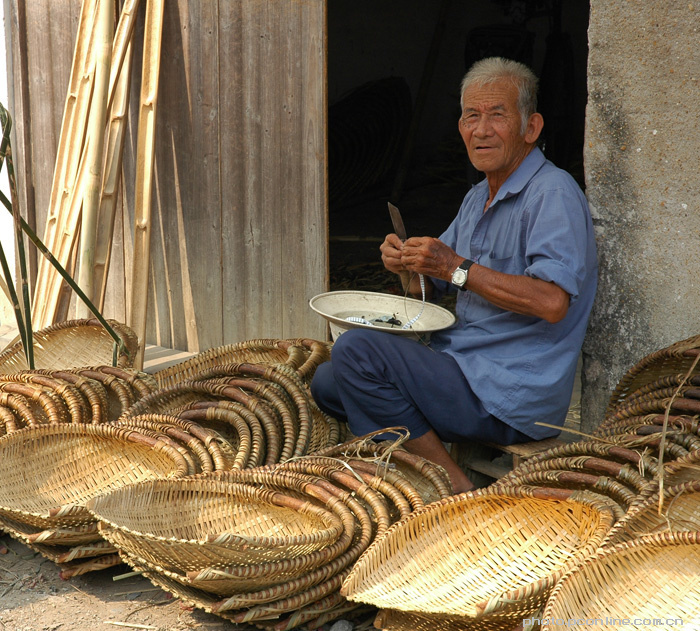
(267, 402)
(73, 343)
(248, 591)
(429, 480)
(495, 553)
(653, 580)
(208, 449)
(59, 550)
(302, 355)
(666, 386)
(192, 524)
(64, 536)
(393, 620)
(314, 614)
(360, 528)
(641, 459)
(48, 473)
(676, 358)
(685, 469)
(678, 511)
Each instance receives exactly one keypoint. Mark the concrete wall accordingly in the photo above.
(641, 163)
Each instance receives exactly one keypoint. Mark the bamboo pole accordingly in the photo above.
(68, 155)
(120, 81)
(51, 293)
(144, 172)
(25, 323)
(122, 40)
(96, 134)
(56, 296)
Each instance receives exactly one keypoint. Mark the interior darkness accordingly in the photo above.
(394, 70)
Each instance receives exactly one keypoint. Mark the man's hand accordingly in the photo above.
(392, 257)
(391, 253)
(430, 257)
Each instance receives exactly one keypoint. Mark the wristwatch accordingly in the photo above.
(460, 275)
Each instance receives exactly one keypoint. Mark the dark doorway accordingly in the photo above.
(394, 69)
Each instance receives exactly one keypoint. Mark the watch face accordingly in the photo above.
(459, 277)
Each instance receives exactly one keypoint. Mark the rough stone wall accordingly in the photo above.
(642, 161)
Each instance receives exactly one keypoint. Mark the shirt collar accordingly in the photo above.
(517, 180)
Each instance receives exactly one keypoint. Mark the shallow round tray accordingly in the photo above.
(650, 582)
(192, 524)
(337, 306)
(49, 472)
(495, 552)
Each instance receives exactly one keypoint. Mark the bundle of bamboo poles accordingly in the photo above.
(80, 220)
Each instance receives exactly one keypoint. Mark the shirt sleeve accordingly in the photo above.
(556, 239)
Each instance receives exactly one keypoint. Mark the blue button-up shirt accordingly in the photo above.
(522, 367)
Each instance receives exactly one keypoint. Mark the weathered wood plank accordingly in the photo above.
(239, 201)
(277, 229)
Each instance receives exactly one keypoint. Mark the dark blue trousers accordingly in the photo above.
(376, 380)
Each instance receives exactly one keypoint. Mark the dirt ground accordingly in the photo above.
(33, 597)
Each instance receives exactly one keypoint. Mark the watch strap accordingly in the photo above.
(465, 265)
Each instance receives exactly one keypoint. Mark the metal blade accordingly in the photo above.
(396, 219)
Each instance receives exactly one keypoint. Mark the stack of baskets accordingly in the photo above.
(221, 481)
(48, 474)
(269, 546)
(448, 565)
(240, 519)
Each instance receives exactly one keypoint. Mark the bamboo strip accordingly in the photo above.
(144, 172)
(113, 163)
(68, 156)
(96, 133)
(120, 49)
(119, 95)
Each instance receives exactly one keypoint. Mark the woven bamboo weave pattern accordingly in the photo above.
(656, 577)
(302, 355)
(393, 620)
(72, 344)
(48, 473)
(680, 511)
(475, 555)
(671, 360)
(193, 524)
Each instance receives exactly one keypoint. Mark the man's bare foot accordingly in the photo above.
(430, 447)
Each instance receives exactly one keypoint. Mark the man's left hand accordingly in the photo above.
(430, 257)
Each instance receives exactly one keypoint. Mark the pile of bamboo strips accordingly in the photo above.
(80, 220)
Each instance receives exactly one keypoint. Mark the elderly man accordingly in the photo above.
(521, 255)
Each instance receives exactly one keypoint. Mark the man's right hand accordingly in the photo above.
(391, 253)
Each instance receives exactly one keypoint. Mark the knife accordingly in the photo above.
(396, 219)
(400, 231)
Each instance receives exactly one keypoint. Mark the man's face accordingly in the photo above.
(490, 126)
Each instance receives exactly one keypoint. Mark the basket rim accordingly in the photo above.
(225, 538)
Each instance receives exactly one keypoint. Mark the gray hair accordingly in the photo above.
(491, 69)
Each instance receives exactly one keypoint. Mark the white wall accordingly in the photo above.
(6, 231)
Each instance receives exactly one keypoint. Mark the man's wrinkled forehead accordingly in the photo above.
(488, 97)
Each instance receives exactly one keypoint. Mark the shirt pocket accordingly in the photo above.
(506, 264)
